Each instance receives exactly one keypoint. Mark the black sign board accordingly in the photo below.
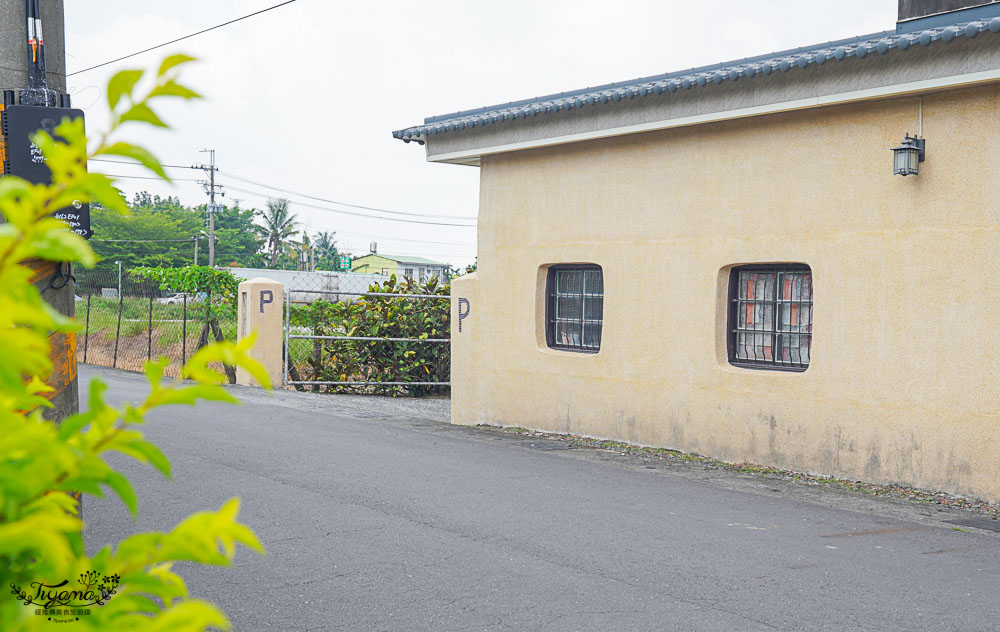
(24, 159)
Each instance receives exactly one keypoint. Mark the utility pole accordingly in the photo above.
(210, 186)
(196, 250)
(33, 73)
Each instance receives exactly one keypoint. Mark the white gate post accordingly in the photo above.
(261, 310)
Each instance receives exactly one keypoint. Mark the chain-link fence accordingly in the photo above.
(367, 333)
(125, 321)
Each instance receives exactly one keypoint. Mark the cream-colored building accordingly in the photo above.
(741, 187)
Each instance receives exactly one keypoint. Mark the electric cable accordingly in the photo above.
(342, 212)
(188, 239)
(212, 28)
(357, 206)
(282, 190)
(129, 162)
(115, 175)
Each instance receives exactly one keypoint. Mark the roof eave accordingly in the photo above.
(878, 44)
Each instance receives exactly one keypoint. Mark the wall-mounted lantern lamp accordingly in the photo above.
(907, 157)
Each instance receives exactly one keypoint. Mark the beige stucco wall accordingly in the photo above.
(903, 383)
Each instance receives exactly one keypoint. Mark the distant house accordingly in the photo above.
(741, 186)
(402, 266)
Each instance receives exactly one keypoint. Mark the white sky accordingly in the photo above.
(305, 97)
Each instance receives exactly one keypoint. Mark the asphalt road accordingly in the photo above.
(378, 516)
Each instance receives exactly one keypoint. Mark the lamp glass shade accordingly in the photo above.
(906, 160)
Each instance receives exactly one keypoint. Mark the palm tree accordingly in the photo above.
(279, 227)
(326, 248)
(326, 245)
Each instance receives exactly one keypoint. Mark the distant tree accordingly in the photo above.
(326, 250)
(238, 240)
(279, 226)
(158, 232)
(144, 200)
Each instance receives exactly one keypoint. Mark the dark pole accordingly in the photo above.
(118, 332)
(184, 330)
(149, 339)
(86, 331)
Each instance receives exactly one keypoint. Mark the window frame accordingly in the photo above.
(732, 317)
(550, 307)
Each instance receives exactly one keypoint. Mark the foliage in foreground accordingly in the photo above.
(386, 317)
(131, 586)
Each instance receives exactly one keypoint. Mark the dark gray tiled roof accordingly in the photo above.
(860, 47)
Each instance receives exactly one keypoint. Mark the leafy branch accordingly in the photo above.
(41, 462)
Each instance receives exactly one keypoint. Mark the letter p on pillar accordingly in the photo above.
(261, 310)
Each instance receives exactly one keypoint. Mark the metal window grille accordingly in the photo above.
(575, 308)
(770, 317)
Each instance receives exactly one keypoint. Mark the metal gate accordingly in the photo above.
(406, 346)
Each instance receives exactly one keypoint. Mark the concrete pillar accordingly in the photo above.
(468, 353)
(261, 309)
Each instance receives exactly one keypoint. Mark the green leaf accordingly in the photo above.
(153, 454)
(173, 89)
(154, 371)
(142, 113)
(123, 488)
(139, 154)
(100, 190)
(70, 426)
(190, 395)
(122, 83)
(172, 61)
(190, 614)
(60, 244)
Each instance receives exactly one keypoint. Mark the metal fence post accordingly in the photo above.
(149, 339)
(184, 332)
(86, 330)
(288, 311)
(118, 331)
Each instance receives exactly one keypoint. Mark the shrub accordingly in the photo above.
(380, 317)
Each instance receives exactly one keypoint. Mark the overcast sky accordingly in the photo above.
(305, 97)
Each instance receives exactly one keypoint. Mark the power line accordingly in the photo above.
(290, 192)
(22, 70)
(342, 212)
(212, 28)
(368, 236)
(128, 162)
(189, 239)
(358, 206)
(115, 175)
